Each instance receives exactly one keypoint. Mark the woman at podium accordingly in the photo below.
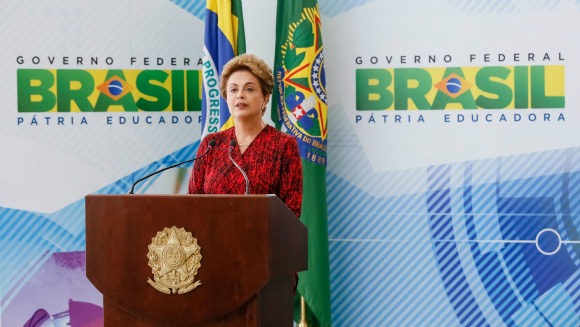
(251, 156)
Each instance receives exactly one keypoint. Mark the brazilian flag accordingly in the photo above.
(224, 39)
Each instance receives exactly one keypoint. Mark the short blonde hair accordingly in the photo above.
(252, 64)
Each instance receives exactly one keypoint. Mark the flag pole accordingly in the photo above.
(303, 322)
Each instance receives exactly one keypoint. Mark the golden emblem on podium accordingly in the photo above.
(174, 257)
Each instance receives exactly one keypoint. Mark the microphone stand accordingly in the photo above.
(210, 145)
(232, 144)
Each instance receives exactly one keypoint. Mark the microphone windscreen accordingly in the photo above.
(211, 143)
(233, 143)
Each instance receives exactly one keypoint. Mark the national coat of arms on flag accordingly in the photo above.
(301, 82)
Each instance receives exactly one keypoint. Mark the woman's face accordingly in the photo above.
(244, 95)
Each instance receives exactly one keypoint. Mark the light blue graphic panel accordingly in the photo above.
(195, 7)
(491, 242)
(34, 237)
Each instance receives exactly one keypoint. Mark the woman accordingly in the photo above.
(269, 157)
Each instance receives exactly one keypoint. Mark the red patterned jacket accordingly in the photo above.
(272, 163)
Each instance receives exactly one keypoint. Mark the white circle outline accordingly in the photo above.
(538, 241)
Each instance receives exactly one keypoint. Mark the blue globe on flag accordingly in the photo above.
(453, 85)
(115, 87)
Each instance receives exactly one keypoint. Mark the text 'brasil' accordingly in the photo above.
(76, 90)
(496, 87)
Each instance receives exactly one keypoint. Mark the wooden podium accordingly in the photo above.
(250, 247)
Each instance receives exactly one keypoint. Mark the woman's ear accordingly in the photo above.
(266, 100)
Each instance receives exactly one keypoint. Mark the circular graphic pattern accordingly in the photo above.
(115, 88)
(548, 241)
(174, 256)
(453, 85)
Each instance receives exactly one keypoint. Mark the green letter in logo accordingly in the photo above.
(34, 93)
(124, 99)
(371, 89)
(485, 83)
(538, 90)
(177, 90)
(404, 92)
(521, 96)
(149, 82)
(74, 85)
(464, 96)
(193, 90)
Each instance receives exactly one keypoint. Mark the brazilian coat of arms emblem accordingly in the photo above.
(301, 85)
(174, 257)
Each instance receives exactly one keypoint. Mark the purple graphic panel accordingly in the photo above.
(58, 294)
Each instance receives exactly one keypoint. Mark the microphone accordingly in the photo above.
(210, 145)
(232, 145)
